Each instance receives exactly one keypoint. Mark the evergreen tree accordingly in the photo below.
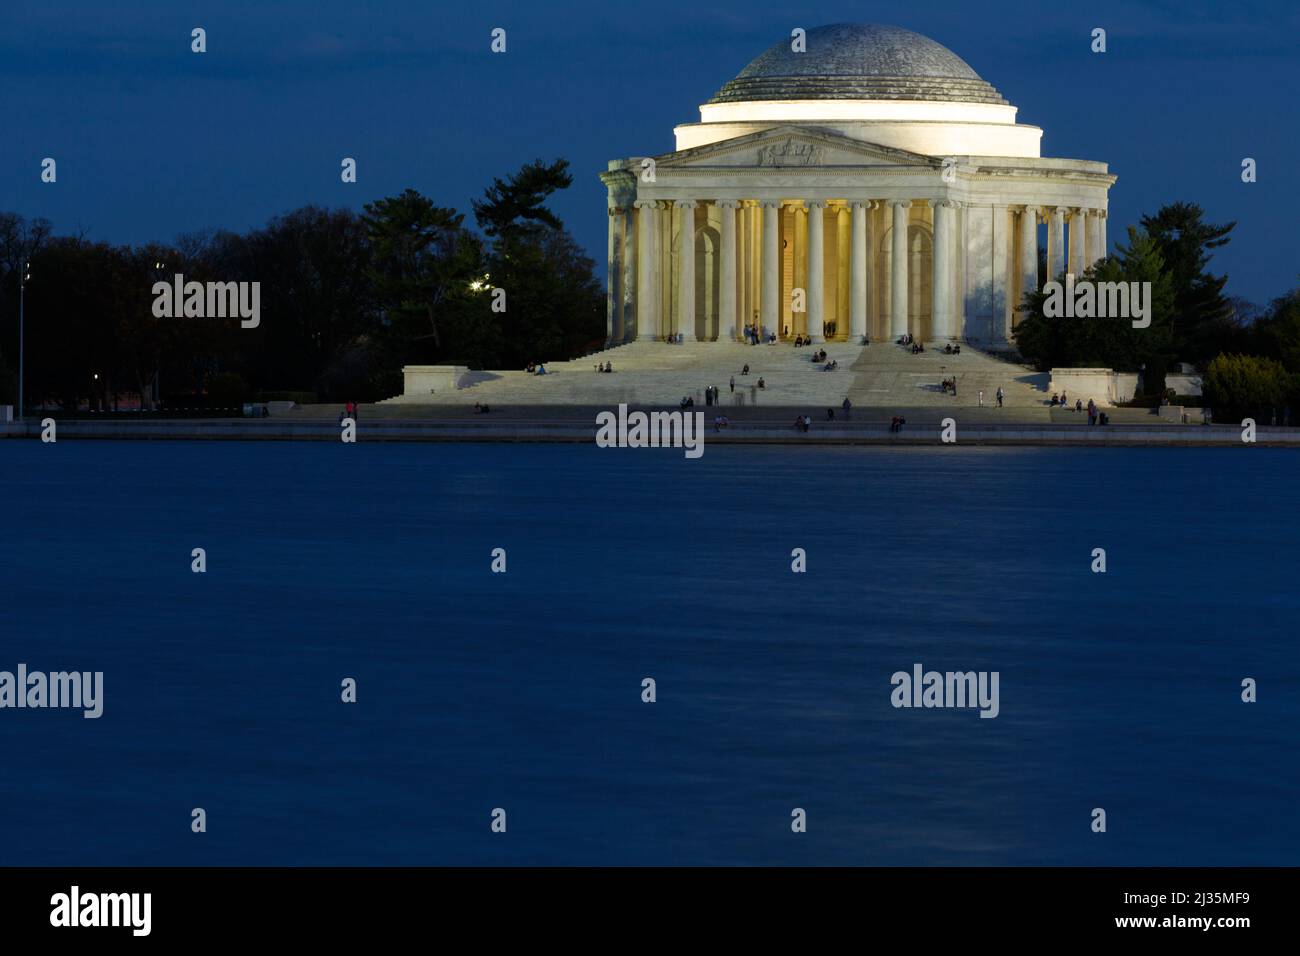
(554, 304)
(424, 261)
(1277, 334)
(1110, 342)
(1201, 311)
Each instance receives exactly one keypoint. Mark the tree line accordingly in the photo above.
(1250, 356)
(347, 299)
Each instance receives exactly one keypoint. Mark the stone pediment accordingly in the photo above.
(793, 147)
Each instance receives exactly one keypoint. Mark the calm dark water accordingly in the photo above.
(522, 690)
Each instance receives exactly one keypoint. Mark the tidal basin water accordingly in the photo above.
(523, 690)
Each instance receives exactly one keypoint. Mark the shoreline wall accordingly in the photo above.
(579, 431)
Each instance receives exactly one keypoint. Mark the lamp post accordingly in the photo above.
(22, 288)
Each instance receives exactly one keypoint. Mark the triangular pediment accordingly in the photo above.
(786, 147)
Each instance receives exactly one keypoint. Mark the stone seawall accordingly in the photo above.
(750, 432)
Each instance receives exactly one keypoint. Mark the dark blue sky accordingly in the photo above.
(152, 140)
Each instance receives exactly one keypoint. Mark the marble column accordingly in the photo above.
(1094, 236)
(686, 270)
(816, 272)
(875, 323)
(771, 268)
(799, 270)
(1077, 242)
(1028, 251)
(628, 287)
(1000, 330)
(1101, 233)
(727, 271)
(898, 269)
(754, 314)
(744, 266)
(646, 320)
(665, 291)
(613, 276)
(858, 273)
(1056, 244)
(841, 271)
(942, 325)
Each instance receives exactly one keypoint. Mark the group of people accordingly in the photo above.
(949, 386)
(481, 409)
(754, 335)
(713, 394)
(830, 366)
(802, 422)
(677, 339)
(896, 423)
(819, 355)
(1095, 415)
(907, 338)
(533, 368)
(607, 367)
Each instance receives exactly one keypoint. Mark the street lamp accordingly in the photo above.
(22, 288)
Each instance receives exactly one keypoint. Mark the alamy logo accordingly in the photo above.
(682, 429)
(1099, 300)
(103, 909)
(949, 689)
(208, 300)
(56, 689)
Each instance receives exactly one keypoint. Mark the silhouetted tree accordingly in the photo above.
(1202, 314)
(423, 262)
(1110, 342)
(554, 305)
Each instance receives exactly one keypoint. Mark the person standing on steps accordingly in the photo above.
(999, 396)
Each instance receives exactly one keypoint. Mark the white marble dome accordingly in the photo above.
(877, 83)
(859, 61)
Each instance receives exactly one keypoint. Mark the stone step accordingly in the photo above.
(655, 373)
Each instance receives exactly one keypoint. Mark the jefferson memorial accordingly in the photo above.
(856, 186)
